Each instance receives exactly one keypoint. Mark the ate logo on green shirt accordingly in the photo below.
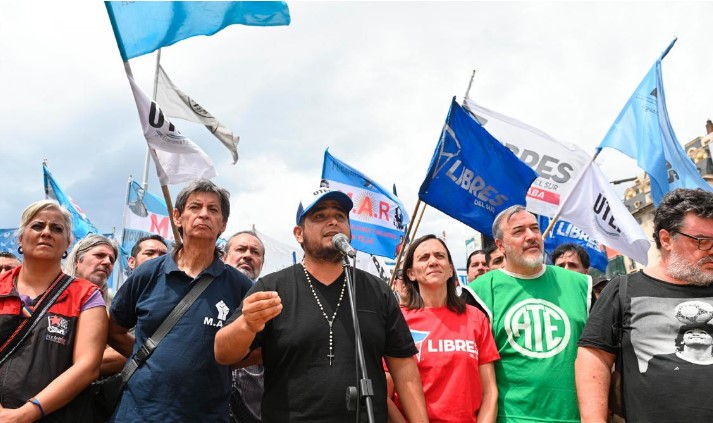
(537, 328)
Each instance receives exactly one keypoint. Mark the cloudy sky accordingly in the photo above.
(370, 80)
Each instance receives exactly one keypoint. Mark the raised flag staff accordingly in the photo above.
(143, 27)
(81, 226)
(643, 132)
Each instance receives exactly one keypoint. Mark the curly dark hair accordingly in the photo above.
(676, 204)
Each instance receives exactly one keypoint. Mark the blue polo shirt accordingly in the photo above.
(181, 381)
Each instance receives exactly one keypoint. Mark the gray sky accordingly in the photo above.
(371, 80)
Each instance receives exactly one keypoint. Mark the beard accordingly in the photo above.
(318, 252)
(252, 275)
(680, 268)
(529, 262)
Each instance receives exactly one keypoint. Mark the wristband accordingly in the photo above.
(36, 402)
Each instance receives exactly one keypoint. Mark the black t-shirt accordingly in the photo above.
(300, 385)
(654, 389)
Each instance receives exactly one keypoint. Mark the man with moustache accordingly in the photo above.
(246, 252)
(93, 258)
(537, 313)
(180, 381)
(659, 299)
(146, 248)
(300, 317)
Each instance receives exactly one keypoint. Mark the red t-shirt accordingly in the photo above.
(451, 348)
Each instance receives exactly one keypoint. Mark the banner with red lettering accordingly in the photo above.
(378, 219)
(557, 163)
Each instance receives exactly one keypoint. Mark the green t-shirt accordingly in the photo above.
(536, 323)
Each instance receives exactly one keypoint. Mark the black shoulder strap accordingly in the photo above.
(24, 329)
(169, 322)
(623, 311)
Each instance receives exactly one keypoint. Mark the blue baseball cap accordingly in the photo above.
(314, 197)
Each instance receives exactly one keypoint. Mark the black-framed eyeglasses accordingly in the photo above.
(704, 244)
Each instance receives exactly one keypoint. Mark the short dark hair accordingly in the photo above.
(676, 204)
(473, 254)
(203, 185)
(249, 232)
(7, 254)
(137, 247)
(685, 328)
(578, 249)
(415, 301)
(488, 253)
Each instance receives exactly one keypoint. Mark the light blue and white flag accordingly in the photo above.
(144, 214)
(564, 232)
(378, 219)
(643, 132)
(81, 226)
(473, 177)
(8, 241)
(144, 26)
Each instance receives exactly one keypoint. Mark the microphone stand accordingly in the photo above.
(366, 389)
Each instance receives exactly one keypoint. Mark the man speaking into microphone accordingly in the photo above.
(298, 320)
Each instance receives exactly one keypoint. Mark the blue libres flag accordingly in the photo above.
(81, 225)
(564, 232)
(142, 27)
(643, 132)
(473, 177)
(378, 219)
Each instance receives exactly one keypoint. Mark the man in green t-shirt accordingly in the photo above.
(537, 313)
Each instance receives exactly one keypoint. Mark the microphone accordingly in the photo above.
(341, 243)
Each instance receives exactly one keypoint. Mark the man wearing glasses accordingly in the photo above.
(675, 292)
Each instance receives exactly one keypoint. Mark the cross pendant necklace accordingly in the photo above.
(330, 356)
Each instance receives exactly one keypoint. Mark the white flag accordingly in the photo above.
(557, 163)
(175, 103)
(177, 158)
(595, 208)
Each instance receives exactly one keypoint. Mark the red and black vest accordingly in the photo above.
(48, 350)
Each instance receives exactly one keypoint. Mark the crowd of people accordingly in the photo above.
(524, 341)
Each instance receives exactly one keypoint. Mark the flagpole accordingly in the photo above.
(164, 188)
(409, 235)
(556, 216)
(145, 182)
(665, 52)
(470, 84)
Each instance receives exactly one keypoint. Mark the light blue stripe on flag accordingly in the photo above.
(142, 27)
